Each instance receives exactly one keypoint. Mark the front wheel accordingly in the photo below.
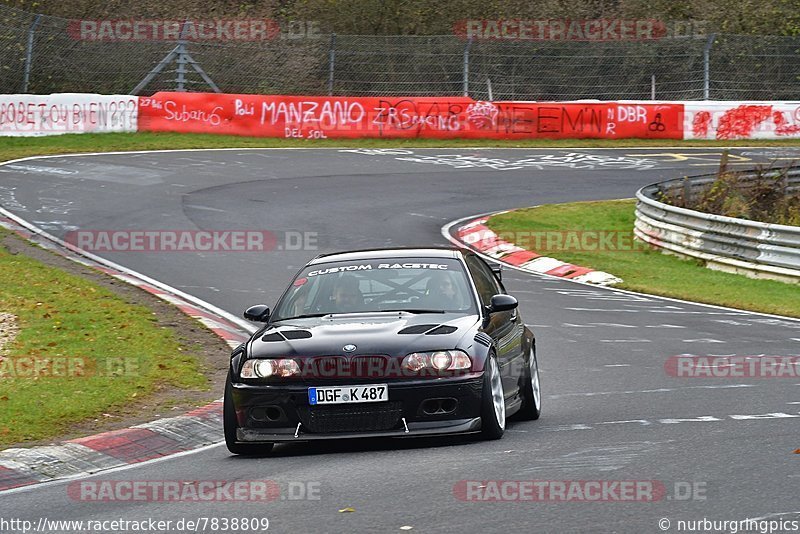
(229, 424)
(531, 390)
(493, 402)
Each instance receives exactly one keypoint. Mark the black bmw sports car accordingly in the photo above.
(393, 342)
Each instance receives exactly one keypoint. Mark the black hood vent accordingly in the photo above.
(429, 329)
(418, 329)
(296, 334)
(443, 329)
(286, 335)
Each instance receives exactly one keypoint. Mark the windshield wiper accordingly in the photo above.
(414, 310)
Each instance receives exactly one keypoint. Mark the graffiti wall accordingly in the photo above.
(741, 120)
(34, 115)
(310, 117)
(448, 117)
(303, 117)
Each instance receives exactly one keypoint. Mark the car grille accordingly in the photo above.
(361, 418)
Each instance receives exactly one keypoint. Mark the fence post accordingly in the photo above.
(29, 54)
(707, 67)
(180, 55)
(652, 87)
(466, 66)
(180, 68)
(331, 62)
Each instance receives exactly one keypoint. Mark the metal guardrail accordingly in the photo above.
(753, 248)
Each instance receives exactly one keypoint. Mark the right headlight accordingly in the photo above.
(438, 360)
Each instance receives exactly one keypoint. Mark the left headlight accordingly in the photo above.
(266, 368)
(439, 360)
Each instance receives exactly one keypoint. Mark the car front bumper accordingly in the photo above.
(459, 426)
(279, 413)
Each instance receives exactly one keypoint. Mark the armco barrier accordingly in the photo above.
(311, 117)
(442, 118)
(34, 115)
(753, 248)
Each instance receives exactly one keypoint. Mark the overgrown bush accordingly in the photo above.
(764, 195)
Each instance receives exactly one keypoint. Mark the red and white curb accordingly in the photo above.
(163, 437)
(477, 236)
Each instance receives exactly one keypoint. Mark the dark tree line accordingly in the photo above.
(437, 17)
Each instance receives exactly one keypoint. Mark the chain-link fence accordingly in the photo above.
(39, 54)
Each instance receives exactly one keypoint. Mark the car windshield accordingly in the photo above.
(416, 285)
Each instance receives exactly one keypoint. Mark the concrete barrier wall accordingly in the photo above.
(317, 117)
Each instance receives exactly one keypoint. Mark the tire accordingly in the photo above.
(531, 390)
(229, 424)
(493, 405)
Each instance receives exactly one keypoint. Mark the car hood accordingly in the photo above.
(393, 334)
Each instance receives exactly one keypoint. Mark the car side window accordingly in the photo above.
(485, 280)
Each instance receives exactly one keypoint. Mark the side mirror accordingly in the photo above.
(501, 303)
(497, 269)
(258, 313)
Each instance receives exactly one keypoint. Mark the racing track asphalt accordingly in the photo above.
(610, 410)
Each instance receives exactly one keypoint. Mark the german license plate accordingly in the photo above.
(348, 394)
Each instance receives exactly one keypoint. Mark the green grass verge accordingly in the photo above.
(18, 147)
(101, 352)
(643, 270)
